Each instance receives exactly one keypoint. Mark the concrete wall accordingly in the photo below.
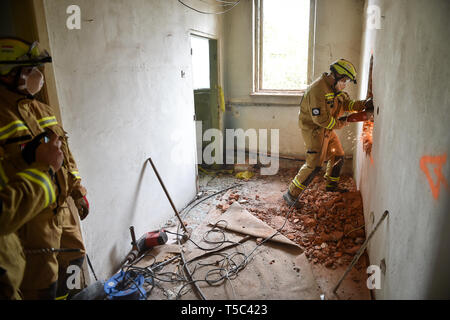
(338, 35)
(410, 85)
(123, 99)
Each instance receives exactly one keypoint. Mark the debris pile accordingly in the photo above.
(227, 200)
(332, 224)
(329, 226)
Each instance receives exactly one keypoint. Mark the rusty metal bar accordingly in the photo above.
(360, 251)
(168, 196)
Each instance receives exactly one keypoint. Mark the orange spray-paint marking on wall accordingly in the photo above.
(438, 161)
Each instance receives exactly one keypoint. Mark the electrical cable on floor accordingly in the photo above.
(149, 274)
(206, 198)
(224, 273)
(225, 268)
(218, 243)
(185, 266)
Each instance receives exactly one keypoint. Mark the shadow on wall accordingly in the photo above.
(137, 191)
(439, 287)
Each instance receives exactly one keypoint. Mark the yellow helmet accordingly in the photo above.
(16, 53)
(344, 68)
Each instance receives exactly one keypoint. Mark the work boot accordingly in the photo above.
(291, 200)
(333, 187)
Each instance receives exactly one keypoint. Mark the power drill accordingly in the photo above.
(146, 242)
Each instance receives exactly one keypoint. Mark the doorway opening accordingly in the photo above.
(206, 87)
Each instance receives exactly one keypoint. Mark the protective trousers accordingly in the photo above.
(70, 263)
(335, 156)
(12, 264)
(313, 139)
(43, 268)
(314, 142)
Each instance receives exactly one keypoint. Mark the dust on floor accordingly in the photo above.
(330, 225)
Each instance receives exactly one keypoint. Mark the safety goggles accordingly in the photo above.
(345, 80)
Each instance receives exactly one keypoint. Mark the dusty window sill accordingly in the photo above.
(298, 94)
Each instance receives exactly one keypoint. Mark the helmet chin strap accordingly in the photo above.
(336, 79)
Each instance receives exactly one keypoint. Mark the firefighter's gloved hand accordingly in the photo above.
(48, 153)
(368, 105)
(82, 205)
(29, 151)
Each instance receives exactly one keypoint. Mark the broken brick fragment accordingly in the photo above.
(336, 235)
(309, 222)
(329, 263)
(324, 220)
(352, 250)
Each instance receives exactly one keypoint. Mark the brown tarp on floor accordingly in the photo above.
(277, 270)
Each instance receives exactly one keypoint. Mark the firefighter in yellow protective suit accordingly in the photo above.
(320, 109)
(23, 118)
(21, 198)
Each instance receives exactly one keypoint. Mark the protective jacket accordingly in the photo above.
(319, 114)
(321, 106)
(22, 119)
(21, 198)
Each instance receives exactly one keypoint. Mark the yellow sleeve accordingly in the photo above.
(78, 190)
(24, 196)
(48, 121)
(349, 104)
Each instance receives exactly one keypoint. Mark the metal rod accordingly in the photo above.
(197, 290)
(133, 238)
(163, 263)
(90, 266)
(168, 196)
(221, 249)
(360, 251)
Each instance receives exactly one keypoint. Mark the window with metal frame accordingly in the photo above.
(283, 42)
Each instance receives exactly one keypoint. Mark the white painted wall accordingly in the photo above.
(410, 85)
(338, 35)
(123, 100)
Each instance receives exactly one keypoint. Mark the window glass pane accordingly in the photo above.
(285, 30)
(200, 62)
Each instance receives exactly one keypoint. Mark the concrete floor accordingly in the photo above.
(261, 195)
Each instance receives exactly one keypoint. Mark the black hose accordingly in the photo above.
(189, 274)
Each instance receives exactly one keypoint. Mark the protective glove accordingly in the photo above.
(29, 151)
(82, 205)
(368, 105)
(50, 153)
